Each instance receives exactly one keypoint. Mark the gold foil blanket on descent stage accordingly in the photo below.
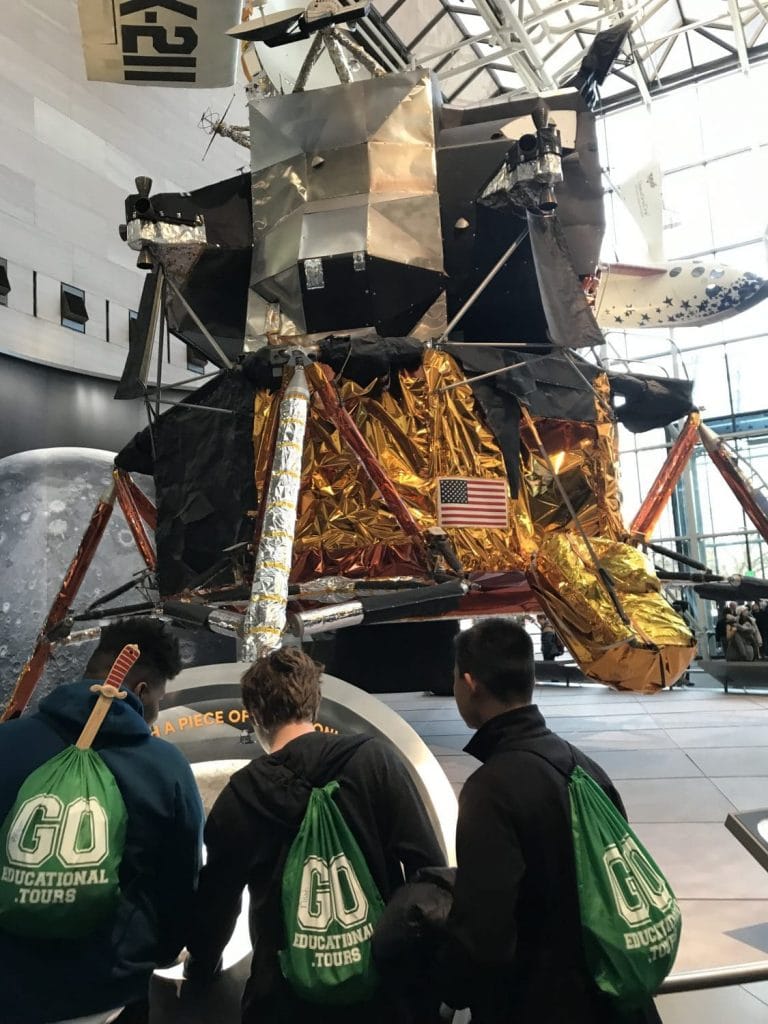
(652, 649)
(421, 433)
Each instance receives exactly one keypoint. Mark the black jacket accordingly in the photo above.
(514, 951)
(57, 979)
(250, 830)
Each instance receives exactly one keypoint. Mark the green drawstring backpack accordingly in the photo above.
(630, 919)
(61, 844)
(330, 907)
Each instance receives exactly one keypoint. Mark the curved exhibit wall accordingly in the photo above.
(47, 496)
(41, 407)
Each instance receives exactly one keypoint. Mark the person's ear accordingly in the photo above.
(139, 690)
(470, 683)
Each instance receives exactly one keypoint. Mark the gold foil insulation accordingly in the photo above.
(585, 458)
(343, 527)
(419, 433)
(266, 616)
(650, 652)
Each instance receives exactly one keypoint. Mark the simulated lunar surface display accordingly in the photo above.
(47, 497)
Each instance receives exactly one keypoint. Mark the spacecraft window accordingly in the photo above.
(716, 272)
(195, 362)
(5, 284)
(74, 313)
(698, 271)
(675, 271)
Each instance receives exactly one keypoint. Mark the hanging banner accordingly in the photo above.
(160, 42)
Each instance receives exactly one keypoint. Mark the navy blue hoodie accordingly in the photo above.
(54, 979)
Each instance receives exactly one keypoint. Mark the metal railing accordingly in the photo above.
(716, 977)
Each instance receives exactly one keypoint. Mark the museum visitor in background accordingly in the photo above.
(551, 644)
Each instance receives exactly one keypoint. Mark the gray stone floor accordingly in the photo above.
(682, 760)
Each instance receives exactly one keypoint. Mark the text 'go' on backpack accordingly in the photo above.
(61, 843)
(330, 907)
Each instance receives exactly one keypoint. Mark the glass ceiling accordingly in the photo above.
(483, 49)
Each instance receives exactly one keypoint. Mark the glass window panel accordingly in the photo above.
(626, 439)
(687, 223)
(629, 484)
(676, 129)
(678, 60)
(726, 556)
(758, 553)
(625, 133)
(645, 358)
(748, 390)
(738, 210)
(710, 385)
(717, 510)
(694, 337)
(748, 324)
(752, 257)
(729, 112)
(614, 85)
(648, 466)
(666, 526)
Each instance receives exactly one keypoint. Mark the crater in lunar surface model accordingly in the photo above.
(47, 497)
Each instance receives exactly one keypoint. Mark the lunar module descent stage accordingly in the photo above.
(404, 427)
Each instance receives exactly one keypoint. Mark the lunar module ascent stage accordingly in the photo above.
(403, 429)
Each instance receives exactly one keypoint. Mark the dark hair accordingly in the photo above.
(160, 659)
(498, 654)
(282, 687)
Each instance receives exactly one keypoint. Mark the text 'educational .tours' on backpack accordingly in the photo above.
(61, 844)
(630, 919)
(330, 907)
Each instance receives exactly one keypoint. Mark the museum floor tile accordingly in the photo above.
(682, 759)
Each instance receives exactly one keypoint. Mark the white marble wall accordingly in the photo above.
(69, 151)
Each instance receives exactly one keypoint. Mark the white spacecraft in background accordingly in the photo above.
(666, 293)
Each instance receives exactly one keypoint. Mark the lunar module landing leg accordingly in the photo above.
(260, 625)
(138, 509)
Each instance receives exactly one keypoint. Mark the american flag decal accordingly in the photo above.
(463, 501)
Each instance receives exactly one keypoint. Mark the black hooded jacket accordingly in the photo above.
(514, 951)
(251, 828)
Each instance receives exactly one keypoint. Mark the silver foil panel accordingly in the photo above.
(333, 231)
(340, 171)
(266, 616)
(329, 617)
(313, 274)
(161, 233)
(433, 323)
(276, 192)
(402, 230)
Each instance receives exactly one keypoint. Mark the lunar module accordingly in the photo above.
(409, 422)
